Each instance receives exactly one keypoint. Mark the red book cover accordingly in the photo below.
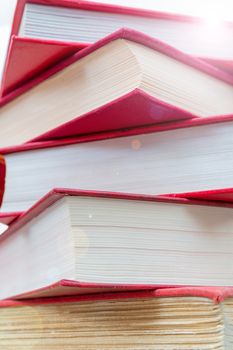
(160, 127)
(221, 195)
(135, 108)
(8, 218)
(71, 287)
(28, 57)
(217, 294)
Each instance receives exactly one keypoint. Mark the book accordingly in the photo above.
(48, 31)
(122, 81)
(174, 158)
(114, 239)
(2, 177)
(183, 318)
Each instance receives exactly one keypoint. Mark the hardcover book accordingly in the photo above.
(46, 31)
(127, 79)
(183, 318)
(116, 240)
(194, 156)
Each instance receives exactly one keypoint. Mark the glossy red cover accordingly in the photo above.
(131, 110)
(74, 288)
(221, 195)
(29, 57)
(217, 294)
(8, 218)
(136, 108)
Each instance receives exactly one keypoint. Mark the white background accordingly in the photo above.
(212, 9)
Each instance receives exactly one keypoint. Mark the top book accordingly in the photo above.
(88, 22)
(53, 29)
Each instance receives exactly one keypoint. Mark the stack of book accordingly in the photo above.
(119, 181)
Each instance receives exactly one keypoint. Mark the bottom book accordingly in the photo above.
(173, 318)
